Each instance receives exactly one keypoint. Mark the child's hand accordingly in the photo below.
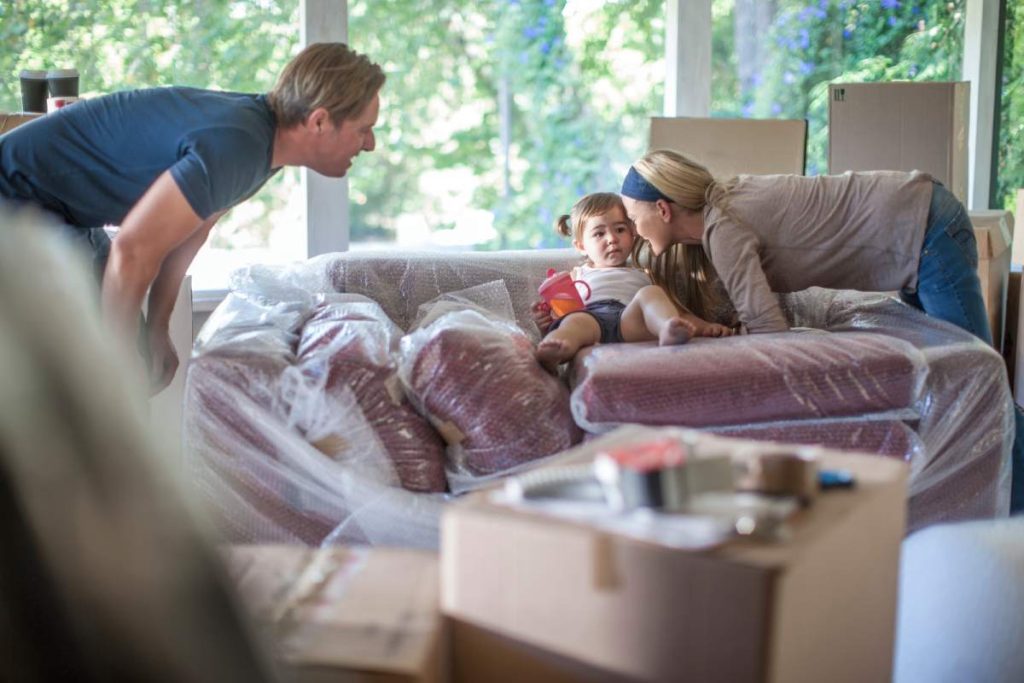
(541, 313)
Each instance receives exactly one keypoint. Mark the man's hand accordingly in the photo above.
(163, 359)
(541, 314)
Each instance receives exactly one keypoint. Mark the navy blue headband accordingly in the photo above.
(635, 187)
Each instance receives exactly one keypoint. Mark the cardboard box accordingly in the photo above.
(345, 614)
(819, 606)
(994, 233)
(901, 127)
(732, 146)
(11, 121)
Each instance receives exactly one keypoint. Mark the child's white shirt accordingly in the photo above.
(621, 283)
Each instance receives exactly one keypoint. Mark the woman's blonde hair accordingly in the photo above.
(684, 270)
(595, 204)
(328, 75)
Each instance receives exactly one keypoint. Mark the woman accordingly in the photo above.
(872, 231)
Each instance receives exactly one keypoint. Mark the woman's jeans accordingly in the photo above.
(948, 288)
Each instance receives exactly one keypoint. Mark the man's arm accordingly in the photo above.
(161, 222)
(163, 357)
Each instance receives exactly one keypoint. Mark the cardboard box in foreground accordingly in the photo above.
(820, 606)
(728, 147)
(343, 615)
(901, 126)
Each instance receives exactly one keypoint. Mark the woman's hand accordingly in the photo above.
(706, 329)
(541, 314)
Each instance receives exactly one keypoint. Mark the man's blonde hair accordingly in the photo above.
(328, 75)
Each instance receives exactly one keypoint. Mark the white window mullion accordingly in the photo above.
(687, 57)
(981, 30)
(327, 216)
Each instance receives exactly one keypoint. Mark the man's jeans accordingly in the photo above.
(948, 288)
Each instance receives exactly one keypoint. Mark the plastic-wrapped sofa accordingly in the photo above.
(328, 402)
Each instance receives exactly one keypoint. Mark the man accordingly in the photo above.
(166, 163)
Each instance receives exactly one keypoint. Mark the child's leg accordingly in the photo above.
(652, 315)
(576, 331)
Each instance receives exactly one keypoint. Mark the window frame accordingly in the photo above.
(687, 93)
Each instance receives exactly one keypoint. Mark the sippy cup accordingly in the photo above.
(560, 292)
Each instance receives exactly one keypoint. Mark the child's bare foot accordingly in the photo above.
(553, 352)
(675, 331)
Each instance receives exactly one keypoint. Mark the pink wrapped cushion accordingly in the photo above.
(746, 379)
(351, 346)
(890, 438)
(480, 385)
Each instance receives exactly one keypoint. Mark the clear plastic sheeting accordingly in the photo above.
(403, 281)
(301, 431)
(938, 395)
(281, 453)
(345, 353)
(478, 381)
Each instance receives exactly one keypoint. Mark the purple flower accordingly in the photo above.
(805, 39)
(892, 21)
(806, 67)
(823, 5)
(545, 47)
(776, 108)
(748, 109)
(890, 4)
(847, 33)
(531, 32)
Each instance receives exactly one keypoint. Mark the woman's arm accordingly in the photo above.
(736, 256)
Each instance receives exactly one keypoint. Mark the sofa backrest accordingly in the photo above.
(401, 281)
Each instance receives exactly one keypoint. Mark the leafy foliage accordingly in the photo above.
(497, 105)
(1011, 128)
(813, 42)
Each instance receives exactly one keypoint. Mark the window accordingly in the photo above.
(122, 44)
(499, 115)
(1010, 164)
(775, 58)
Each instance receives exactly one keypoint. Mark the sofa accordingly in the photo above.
(346, 399)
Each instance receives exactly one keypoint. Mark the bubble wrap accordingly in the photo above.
(480, 384)
(281, 453)
(347, 347)
(876, 376)
(863, 357)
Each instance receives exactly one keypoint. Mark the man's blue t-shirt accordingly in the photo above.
(92, 161)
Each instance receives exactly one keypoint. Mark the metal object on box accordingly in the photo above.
(661, 474)
(782, 474)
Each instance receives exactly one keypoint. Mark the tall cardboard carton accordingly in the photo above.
(901, 127)
(994, 233)
(819, 606)
(728, 147)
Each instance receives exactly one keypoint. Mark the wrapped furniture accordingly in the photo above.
(311, 385)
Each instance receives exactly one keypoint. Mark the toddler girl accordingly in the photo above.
(623, 306)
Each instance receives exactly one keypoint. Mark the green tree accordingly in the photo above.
(815, 42)
(1010, 169)
(494, 91)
